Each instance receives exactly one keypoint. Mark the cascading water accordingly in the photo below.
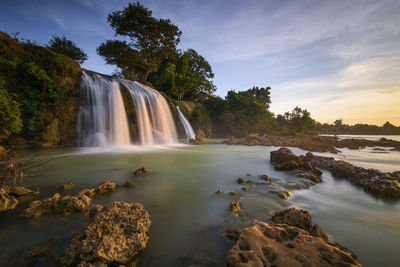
(102, 118)
(156, 125)
(186, 125)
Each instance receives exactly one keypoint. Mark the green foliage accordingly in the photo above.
(297, 121)
(338, 127)
(151, 40)
(35, 77)
(200, 119)
(10, 115)
(61, 45)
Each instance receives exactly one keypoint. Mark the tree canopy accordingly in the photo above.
(61, 45)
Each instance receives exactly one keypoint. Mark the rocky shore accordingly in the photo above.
(312, 142)
(383, 184)
(292, 241)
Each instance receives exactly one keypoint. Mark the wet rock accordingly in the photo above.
(41, 252)
(287, 165)
(283, 195)
(232, 234)
(240, 180)
(283, 155)
(104, 187)
(234, 194)
(282, 245)
(200, 138)
(300, 219)
(67, 186)
(141, 172)
(235, 208)
(59, 205)
(95, 264)
(266, 178)
(114, 235)
(383, 184)
(246, 188)
(20, 191)
(308, 175)
(7, 202)
(130, 184)
(219, 192)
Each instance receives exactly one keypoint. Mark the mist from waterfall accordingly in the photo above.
(102, 119)
(186, 125)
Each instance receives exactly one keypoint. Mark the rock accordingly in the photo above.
(7, 202)
(300, 219)
(282, 245)
(383, 184)
(56, 204)
(235, 208)
(283, 195)
(130, 184)
(18, 142)
(308, 175)
(67, 186)
(200, 138)
(141, 172)
(20, 191)
(240, 180)
(234, 194)
(3, 153)
(287, 165)
(266, 178)
(104, 187)
(95, 264)
(246, 188)
(112, 236)
(219, 192)
(232, 234)
(282, 155)
(42, 251)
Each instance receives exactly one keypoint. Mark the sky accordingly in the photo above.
(337, 59)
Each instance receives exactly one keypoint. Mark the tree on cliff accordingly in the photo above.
(151, 40)
(61, 45)
(10, 115)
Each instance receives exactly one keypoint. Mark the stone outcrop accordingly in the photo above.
(114, 235)
(384, 184)
(20, 191)
(103, 188)
(7, 202)
(235, 208)
(284, 244)
(59, 205)
(285, 159)
(67, 186)
(141, 172)
(200, 138)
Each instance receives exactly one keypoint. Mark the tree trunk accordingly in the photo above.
(145, 75)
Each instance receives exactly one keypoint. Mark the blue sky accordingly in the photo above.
(338, 59)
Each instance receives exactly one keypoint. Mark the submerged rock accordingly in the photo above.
(7, 202)
(266, 178)
(103, 188)
(130, 184)
(219, 192)
(114, 235)
(41, 252)
(282, 194)
(232, 234)
(59, 205)
(240, 180)
(141, 172)
(282, 245)
(20, 191)
(67, 186)
(235, 208)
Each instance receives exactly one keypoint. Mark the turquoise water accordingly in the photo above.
(187, 217)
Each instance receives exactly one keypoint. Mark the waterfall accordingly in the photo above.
(156, 125)
(188, 128)
(102, 118)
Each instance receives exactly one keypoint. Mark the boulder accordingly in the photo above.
(287, 165)
(104, 187)
(7, 202)
(200, 138)
(113, 235)
(67, 186)
(282, 245)
(141, 172)
(235, 208)
(282, 155)
(59, 205)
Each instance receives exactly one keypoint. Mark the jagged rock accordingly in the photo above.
(300, 219)
(283, 195)
(235, 208)
(95, 264)
(59, 205)
(287, 165)
(103, 188)
(282, 245)
(114, 235)
(200, 138)
(282, 155)
(308, 175)
(20, 191)
(7, 202)
(130, 184)
(67, 186)
(141, 172)
(379, 183)
(266, 178)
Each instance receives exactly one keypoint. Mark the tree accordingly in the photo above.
(10, 115)
(61, 45)
(151, 40)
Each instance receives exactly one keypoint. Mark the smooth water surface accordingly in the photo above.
(187, 216)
